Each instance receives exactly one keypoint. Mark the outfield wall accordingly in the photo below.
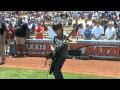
(94, 48)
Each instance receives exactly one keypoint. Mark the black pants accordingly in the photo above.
(57, 70)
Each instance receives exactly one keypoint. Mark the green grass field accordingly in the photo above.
(11, 73)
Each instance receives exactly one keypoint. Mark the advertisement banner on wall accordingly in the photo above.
(90, 48)
(98, 50)
(38, 47)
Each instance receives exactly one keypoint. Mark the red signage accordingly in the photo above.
(102, 51)
(97, 50)
(37, 49)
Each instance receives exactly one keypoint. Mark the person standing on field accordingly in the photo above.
(2, 42)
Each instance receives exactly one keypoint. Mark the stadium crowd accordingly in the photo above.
(39, 21)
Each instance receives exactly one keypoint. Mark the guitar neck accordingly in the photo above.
(69, 35)
(66, 39)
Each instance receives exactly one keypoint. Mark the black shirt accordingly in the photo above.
(20, 32)
(58, 43)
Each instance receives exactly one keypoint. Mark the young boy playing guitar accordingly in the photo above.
(59, 48)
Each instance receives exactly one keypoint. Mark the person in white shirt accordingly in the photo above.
(51, 32)
(81, 30)
(110, 32)
(13, 22)
(97, 31)
(64, 20)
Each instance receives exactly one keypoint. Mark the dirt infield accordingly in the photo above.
(95, 67)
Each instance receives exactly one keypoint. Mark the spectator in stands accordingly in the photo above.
(118, 32)
(110, 32)
(69, 21)
(45, 26)
(64, 21)
(2, 43)
(81, 31)
(39, 31)
(30, 27)
(97, 31)
(74, 34)
(33, 27)
(87, 33)
(51, 32)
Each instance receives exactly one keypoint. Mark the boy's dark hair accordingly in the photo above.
(57, 26)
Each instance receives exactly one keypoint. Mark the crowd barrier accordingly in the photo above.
(106, 49)
(94, 48)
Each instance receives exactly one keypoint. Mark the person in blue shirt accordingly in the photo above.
(87, 33)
